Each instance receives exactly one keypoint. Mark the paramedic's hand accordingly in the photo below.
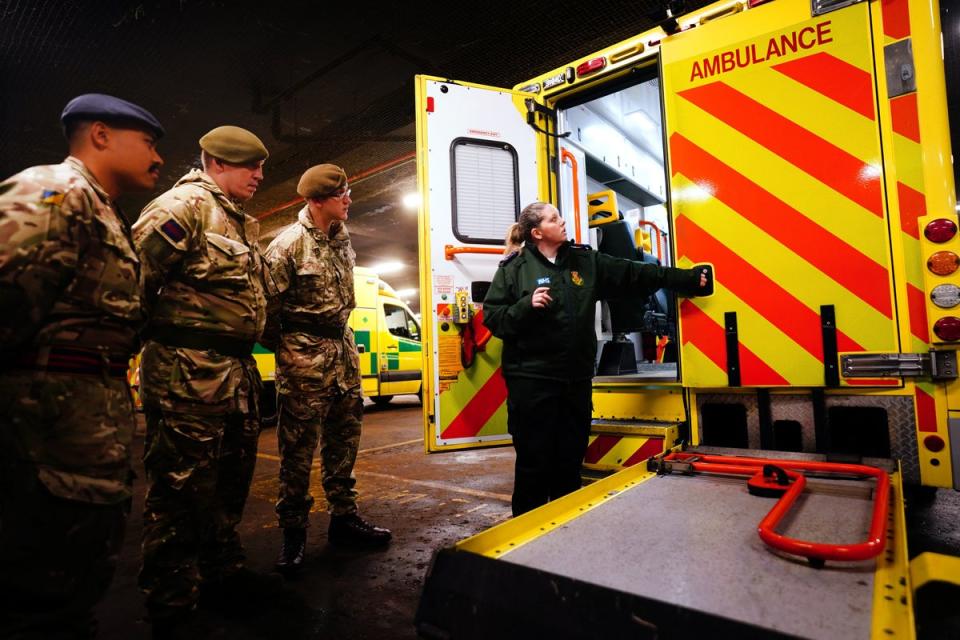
(706, 279)
(541, 298)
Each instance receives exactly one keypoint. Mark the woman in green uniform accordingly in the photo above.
(542, 304)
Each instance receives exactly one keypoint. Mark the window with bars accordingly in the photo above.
(485, 189)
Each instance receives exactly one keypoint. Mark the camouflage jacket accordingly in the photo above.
(203, 272)
(69, 277)
(313, 274)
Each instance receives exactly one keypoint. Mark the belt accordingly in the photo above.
(71, 360)
(202, 341)
(317, 330)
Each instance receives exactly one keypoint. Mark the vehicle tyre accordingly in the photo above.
(382, 401)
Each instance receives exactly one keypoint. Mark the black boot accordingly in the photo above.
(353, 531)
(292, 553)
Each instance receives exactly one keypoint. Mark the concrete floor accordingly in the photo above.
(429, 501)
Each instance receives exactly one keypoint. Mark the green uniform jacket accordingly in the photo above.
(559, 342)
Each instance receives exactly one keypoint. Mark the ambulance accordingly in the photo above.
(801, 147)
(388, 339)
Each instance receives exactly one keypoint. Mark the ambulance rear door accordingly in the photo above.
(478, 163)
(776, 178)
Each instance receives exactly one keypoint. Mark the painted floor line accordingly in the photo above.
(443, 486)
(316, 463)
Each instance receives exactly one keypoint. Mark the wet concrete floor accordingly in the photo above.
(428, 501)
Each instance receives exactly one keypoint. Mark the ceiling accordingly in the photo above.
(318, 82)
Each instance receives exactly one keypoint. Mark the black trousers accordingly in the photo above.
(550, 424)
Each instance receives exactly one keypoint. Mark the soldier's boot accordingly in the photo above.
(351, 530)
(292, 552)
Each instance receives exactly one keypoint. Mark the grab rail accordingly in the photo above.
(815, 552)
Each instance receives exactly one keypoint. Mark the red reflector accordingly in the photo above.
(591, 66)
(947, 329)
(940, 230)
(754, 3)
(429, 104)
(934, 443)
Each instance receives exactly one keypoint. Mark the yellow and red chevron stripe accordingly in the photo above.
(476, 403)
(776, 171)
(910, 197)
(607, 452)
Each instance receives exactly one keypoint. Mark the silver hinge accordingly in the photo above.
(939, 365)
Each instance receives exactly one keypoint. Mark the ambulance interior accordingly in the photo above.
(616, 140)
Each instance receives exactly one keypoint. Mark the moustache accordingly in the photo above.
(155, 167)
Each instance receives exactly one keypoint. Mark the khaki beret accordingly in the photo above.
(321, 180)
(233, 144)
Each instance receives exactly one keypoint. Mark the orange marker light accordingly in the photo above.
(943, 263)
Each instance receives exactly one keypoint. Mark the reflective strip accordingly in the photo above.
(833, 78)
(481, 407)
(819, 158)
(708, 336)
(836, 258)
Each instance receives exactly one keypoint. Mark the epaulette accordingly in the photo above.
(583, 247)
(510, 256)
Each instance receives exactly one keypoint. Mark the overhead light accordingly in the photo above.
(407, 293)
(387, 267)
(411, 200)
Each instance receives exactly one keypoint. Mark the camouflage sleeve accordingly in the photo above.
(41, 238)
(279, 272)
(162, 235)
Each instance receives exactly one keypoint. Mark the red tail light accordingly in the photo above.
(591, 66)
(934, 443)
(940, 230)
(947, 329)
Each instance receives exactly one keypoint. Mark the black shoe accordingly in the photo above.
(353, 531)
(292, 552)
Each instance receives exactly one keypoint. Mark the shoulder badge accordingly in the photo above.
(510, 256)
(51, 197)
(172, 229)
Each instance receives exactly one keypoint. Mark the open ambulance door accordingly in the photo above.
(478, 164)
(777, 179)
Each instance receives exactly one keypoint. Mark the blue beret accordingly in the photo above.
(99, 106)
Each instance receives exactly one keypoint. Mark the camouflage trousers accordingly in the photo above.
(57, 557)
(199, 470)
(309, 416)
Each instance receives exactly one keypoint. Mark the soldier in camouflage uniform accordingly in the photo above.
(205, 292)
(318, 369)
(70, 291)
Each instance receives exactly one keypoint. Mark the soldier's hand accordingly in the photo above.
(541, 298)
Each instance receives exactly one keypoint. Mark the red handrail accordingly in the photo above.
(815, 551)
(566, 155)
